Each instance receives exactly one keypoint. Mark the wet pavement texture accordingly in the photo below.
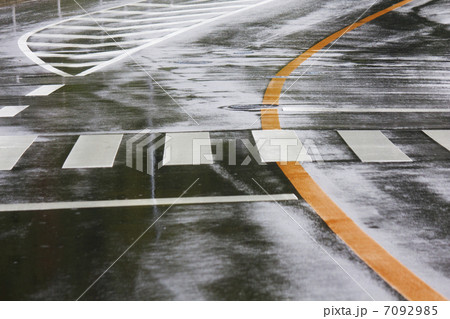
(213, 78)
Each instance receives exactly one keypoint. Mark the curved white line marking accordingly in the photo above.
(126, 52)
(22, 43)
(26, 50)
(146, 45)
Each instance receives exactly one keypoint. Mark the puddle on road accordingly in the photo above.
(248, 107)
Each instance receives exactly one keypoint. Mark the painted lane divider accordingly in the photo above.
(94, 151)
(12, 148)
(373, 146)
(280, 146)
(45, 90)
(376, 257)
(11, 111)
(22, 207)
(441, 137)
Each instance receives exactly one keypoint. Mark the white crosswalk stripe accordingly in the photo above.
(11, 111)
(373, 146)
(145, 24)
(45, 90)
(440, 136)
(94, 151)
(12, 148)
(187, 149)
(280, 146)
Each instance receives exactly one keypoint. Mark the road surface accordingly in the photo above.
(102, 196)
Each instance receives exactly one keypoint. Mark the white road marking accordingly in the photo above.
(141, 4)
(75, 65)
(11, 111)
(373, 146)
(187, 149)
(146, 202)
(299, 109)
(155, 13)
(78, 56)
(280, 146)
(131, 27)
(94, 151)
(101, 37)
(45, 90)
(12, 149)
(212, 5)
(440, 136)
(86, 46)
(121, 20)
(216, 14)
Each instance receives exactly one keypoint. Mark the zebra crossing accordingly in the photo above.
(86, 43)
(196, 148)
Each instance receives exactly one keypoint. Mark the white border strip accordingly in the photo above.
(299, 109)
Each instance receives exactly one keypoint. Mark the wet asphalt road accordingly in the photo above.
(240, 251)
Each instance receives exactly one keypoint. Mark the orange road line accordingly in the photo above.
(273, 91)
(375, 256)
